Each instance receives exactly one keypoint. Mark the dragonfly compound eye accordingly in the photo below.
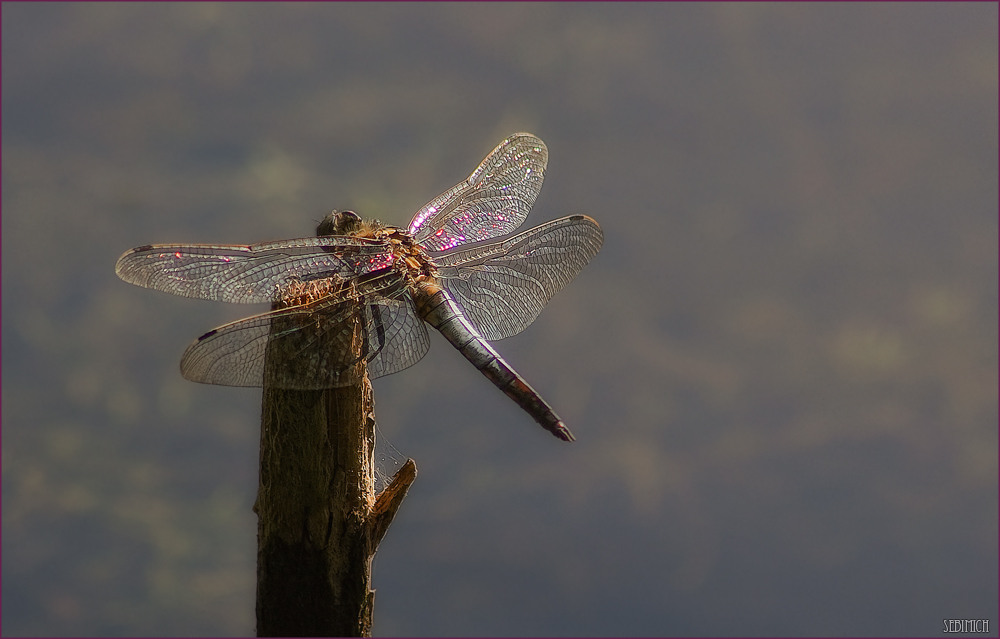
(339, 223)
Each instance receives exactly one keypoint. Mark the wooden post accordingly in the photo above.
(319, 520)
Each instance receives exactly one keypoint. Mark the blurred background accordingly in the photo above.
(781, 368)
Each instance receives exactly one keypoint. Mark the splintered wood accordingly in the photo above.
(299, 293)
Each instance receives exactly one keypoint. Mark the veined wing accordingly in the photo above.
(502, 287)
(492, 202)
(317, 340)
(248, 274)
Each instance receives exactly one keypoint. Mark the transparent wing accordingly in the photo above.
(502, 287)
(397, 337)
(248, 274)
(492, 202)
(318, 341)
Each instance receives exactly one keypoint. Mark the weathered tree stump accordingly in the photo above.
(319, 520)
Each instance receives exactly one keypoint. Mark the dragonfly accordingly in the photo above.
(364, 291)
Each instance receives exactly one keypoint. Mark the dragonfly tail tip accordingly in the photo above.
(560, 431)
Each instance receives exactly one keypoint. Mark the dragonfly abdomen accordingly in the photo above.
(438, 309)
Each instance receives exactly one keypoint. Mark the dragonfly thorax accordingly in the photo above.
(407, 256)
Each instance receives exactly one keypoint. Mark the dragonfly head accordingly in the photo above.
(339, 223)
